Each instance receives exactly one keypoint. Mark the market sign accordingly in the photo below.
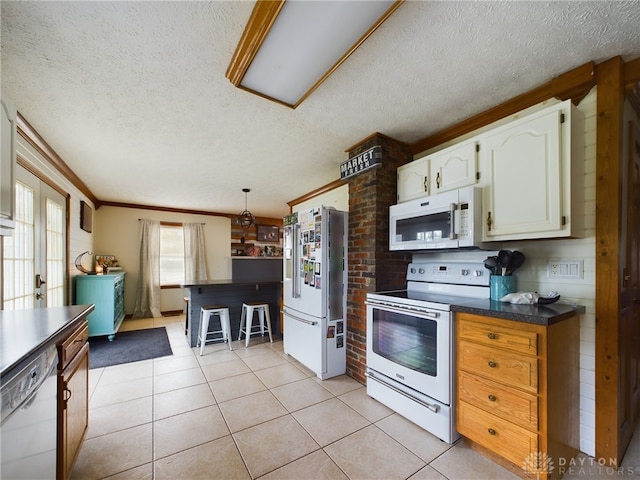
(364, 161)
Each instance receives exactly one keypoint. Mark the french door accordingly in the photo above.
(34, 257)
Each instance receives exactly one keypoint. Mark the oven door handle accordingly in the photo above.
(433, 408)
(406, 311)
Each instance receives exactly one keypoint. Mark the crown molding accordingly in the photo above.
(36, 141)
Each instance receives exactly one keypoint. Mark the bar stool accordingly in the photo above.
(246, 320)
(206, 312)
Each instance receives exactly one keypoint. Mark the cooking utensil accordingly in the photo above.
(492, 264)
(517, 260)
(504, 257)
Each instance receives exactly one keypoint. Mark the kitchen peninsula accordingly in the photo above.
(232, 293)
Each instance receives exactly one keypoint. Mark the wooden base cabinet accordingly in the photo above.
(73, 398)
(518, 392)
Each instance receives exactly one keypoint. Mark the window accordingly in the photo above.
(171, 254)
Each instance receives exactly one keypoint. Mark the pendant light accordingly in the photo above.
(246, 218)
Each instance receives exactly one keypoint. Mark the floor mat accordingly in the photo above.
(129, 347)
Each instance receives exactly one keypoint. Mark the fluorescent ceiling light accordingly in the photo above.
(290, 47)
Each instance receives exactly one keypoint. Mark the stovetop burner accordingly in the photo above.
(438, 285)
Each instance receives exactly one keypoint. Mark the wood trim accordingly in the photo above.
(36, 141)
(382, 136)
(574, 84)
(20, 160)
(262, 17)
(314, 193)
(360, 41)
(608, 227)
(634, 99)
(631, 75)
(261, 220)
(164, 209)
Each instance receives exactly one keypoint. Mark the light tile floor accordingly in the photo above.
(256, 413)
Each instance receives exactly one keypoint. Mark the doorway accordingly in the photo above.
(34, 257)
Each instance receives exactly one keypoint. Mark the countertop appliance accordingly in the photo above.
(443, 221)
(410, 342)
(315, 289)
(29, 415)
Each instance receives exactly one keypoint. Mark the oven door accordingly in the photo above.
(424, 223)
(414, 348)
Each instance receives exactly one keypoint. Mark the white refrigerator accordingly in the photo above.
(315, 289)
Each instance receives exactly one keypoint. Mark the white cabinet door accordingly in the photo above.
(454, 167)
(523, 197)
(413, 180)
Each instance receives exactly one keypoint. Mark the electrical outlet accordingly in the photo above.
(565, 268)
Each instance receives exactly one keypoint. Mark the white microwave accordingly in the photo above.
(446, 220)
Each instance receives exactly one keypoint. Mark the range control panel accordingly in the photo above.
(455, 273)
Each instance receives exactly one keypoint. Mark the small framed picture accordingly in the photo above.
(86, 217)
(268, 233)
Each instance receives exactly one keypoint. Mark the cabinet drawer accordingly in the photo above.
(521, 341)
(513, 405)
(72, 345)
(504, 438)
(512, 369)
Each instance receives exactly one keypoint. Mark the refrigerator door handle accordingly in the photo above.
(308, 322)
(295, 287)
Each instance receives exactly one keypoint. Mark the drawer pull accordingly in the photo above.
(491, 431)
(492, 398)
(492, 335)
(492, 364)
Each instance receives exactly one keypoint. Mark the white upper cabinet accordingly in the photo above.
(413, 180)
(532, 169)
(7, 164)
(454, 167)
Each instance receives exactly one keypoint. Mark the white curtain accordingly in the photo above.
(195, 263)
(148, 293)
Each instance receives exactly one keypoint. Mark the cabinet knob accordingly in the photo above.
(491, 431)
(492, 364)
(492, 335)
(492, 398)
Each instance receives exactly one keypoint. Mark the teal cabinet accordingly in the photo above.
(106, 292)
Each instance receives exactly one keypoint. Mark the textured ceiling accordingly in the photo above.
(133, 95)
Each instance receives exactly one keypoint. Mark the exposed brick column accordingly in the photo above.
(371, 266)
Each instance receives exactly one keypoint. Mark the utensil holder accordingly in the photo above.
(501, 285)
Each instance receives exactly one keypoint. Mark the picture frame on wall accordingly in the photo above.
(268, 233)
(86, 217)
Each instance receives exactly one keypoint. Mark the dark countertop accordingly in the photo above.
(25, 333)
(538, 314)
(227, 281)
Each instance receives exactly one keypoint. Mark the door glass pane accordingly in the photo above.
(19, 254)
(55, 254)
